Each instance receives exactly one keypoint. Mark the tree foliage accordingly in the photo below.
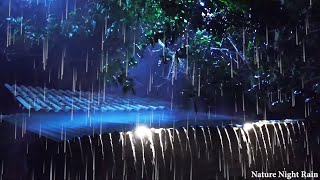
(266, 48)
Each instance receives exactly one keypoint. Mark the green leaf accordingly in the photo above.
(219, 43)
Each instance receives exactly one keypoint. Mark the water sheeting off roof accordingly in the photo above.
(43, 99)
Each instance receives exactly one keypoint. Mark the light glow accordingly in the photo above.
(143, 132)
(248, 126)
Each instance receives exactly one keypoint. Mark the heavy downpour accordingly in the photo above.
(159, 89)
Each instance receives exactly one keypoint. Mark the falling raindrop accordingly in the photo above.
(293, 98)
(49, 76)
(187, 53)
(173, 72)
(9, 12)
(193, 73)
(257, 104)
(305, 109)
(87, 61)
(280, 65)
(164, 46)
(101, 63)
(15, 130)
(127, 63)
(267, 35)
(199, 82)
(221, 89)
(307, 24)
(279, 95)
(21, 26)
(9, 26)
(244, 43)
(67, 8)
(235, 102)
(75, 6)
(257, 57)
(124, 32)
(237, 58)
(74, 80)
(297, 38)
(303, 51)
(231, 69)
(8, 34)
(62, 62)
(102, 39)
(45, 46)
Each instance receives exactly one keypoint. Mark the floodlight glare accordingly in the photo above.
(143, 131)
(248, 126)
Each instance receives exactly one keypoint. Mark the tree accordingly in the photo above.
(264, 50)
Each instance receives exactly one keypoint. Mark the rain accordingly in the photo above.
(159, 89)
